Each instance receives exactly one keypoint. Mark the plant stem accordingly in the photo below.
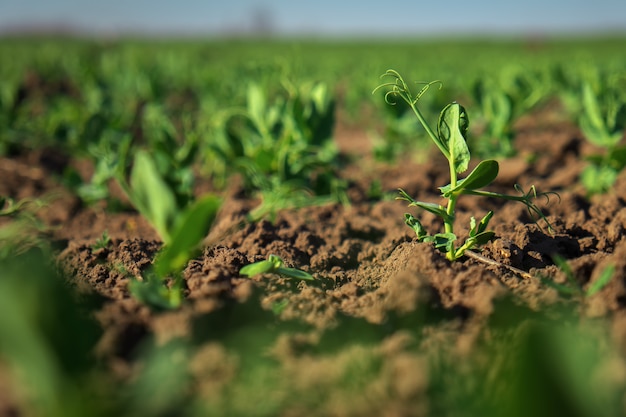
(428, 130)
(449, 224)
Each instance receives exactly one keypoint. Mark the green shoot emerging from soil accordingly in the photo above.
(274, 264)
(450, 139)
(571, 287)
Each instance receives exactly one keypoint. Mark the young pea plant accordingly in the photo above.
(450, 139)
(282, 146)
(603, 122)
(274, 264)
(181, 226)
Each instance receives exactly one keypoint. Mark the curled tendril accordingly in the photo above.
(535, 212)
(400, 88)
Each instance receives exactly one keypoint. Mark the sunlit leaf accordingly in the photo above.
(192, 226)
(452, 128)
(295, 273)
(601, 282)
(152, 197)
(257, 268)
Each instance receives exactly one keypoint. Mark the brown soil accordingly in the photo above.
(373, 279)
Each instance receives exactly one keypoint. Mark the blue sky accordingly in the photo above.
(323, 17)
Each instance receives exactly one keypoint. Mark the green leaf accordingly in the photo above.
(295, 273)
(256, 104)
(592, 108)
(598, 120)
(257, 268)
(274, 264)
(483, 175)
(617, 157)
(153, 292)
(602, 281)
(414, 224)
(433, 208)
(152, 197)
(484, 222)
(598, 179)
(452, 127)
(476, 229)
(445, 241)
(319, 96)
(192, 226)
(619, 120)
(596, 134)
(404, 196)
(276, 261)
(482, 238)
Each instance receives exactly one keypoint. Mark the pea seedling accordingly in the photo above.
(450, 139)
(274, 264)
(182, 229)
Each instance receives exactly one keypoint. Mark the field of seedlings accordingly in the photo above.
(312, 228)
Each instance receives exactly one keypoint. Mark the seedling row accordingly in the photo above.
(262, 269)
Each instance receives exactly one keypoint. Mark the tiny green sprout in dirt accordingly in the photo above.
(572, 288)
(182, 225)
(450, 139)
(102, 242)
(274, 264)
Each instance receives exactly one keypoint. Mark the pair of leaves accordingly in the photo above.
(157, 202)
(191, 227)
(181, 229)
(442, 241)
(479, 235)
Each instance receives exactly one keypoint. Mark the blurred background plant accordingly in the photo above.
(603, 122)
(282, 147)
(21, 230)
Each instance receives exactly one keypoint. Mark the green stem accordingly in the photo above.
(449, 223)
(428, 129)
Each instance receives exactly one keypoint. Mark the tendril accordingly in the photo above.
(400, 88)
(535, 212)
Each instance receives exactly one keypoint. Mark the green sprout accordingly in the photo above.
(181, 226)
(571, 288)
(274, 264)
(450, 139)
(102, 242)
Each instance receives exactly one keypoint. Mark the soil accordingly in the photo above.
(382, 303)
